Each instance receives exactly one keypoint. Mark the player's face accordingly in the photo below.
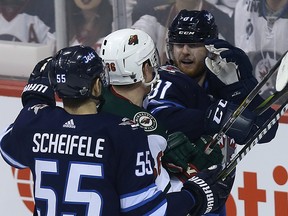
(190, 58)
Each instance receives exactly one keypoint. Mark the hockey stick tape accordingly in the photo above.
(282, 74)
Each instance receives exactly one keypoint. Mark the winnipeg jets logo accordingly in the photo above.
(209, 16)
(146, 121)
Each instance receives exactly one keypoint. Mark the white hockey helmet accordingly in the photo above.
(124, 51)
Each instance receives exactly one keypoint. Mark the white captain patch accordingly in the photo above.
(145, 121)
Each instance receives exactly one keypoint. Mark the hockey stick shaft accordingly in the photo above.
(269, 102)
(254, 140)
(242, 106)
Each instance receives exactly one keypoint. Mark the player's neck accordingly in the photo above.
(88, 108)
(188, 5)
(276, 5)
(201, 79)
(134, 93)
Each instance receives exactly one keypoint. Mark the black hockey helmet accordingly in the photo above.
(73, 71)
(192, 27)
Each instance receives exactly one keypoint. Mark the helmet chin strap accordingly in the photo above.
(153, 81)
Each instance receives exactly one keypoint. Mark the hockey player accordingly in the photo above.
(155, 16)
(132, 61)
(196, 98)
(89, 163)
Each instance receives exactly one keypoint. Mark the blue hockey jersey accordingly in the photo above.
(180, 103)
(83, 164)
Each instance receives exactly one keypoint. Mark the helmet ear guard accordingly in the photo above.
(124, 52)
(154, 63)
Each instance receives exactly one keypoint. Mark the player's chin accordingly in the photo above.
(188, 69)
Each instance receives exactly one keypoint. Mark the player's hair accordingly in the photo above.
(191, 27)
(124, 52)
(73, 71)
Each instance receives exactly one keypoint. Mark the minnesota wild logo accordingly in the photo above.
(145, 121)
(133, 40)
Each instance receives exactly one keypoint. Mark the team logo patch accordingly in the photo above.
(37, 107)
(127, 121)
(170, 69)
(145, 121)
(262, 63)
(133, 40)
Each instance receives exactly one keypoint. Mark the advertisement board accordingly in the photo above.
(260, 189)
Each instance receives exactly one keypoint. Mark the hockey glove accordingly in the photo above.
(183, 158)
(178, 152)
(218, 114)
(230, 64)
(38, 86)
(202, 160)
(210, 194)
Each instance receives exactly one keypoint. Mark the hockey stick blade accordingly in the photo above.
(282, 74)
(242, 106)
(253, 140)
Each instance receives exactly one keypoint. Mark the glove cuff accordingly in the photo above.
(203, 194)
(236, 92)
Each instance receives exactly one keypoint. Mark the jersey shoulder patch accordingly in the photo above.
(170, 69)
(127, 121)
(146, 121)
(37, 107)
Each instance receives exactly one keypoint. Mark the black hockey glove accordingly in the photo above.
(230, 64)
(38, 86)
(183, 158)
(210, 194)
(218, 114)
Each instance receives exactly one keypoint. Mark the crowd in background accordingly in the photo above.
(259, 27)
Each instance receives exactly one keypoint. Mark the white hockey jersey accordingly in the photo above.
(262, 36)
(26, 28)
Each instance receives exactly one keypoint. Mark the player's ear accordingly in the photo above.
(147, 71)
(97, 88)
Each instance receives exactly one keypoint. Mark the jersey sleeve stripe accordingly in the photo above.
(137, 199)
(11, 161)
(165, 104)
(7, 157)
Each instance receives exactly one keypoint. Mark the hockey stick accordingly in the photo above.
(269, 102)
(282, 75)
(246, 102)
(254, 139)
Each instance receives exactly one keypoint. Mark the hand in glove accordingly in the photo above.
(210, 194)
(184, 158)
(218, 114)
(230, 64)
(38, 86)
